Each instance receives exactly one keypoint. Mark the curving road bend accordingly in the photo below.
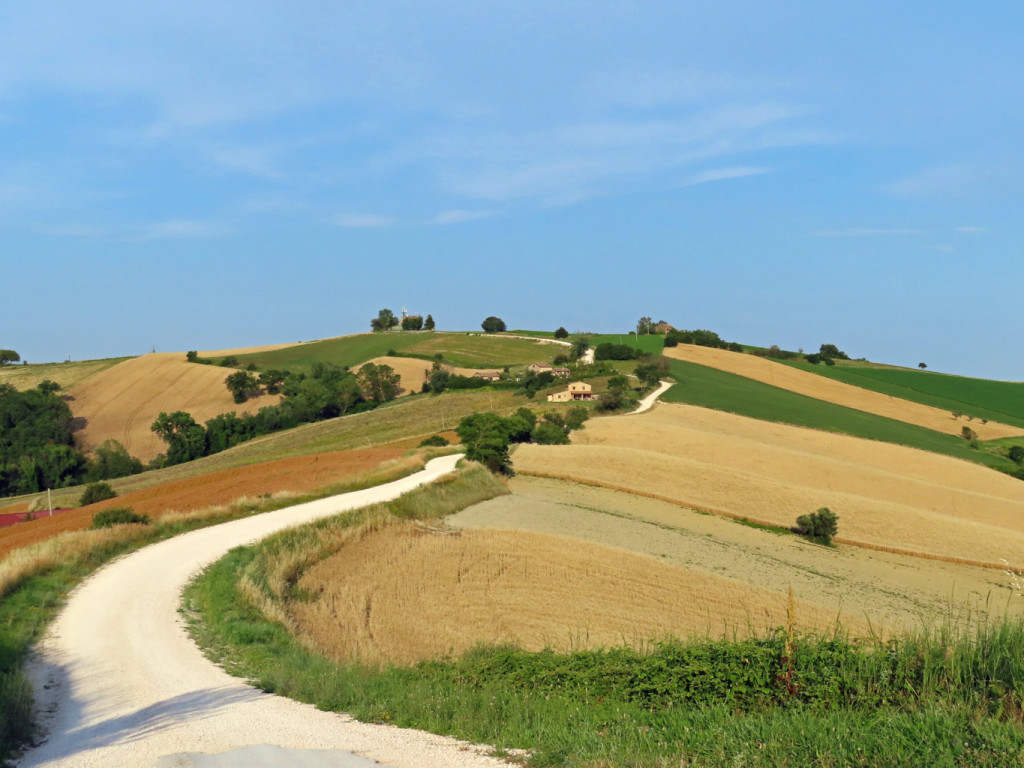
(121, 683)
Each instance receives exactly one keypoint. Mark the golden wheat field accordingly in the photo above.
(409, 592)
(122, 402)
(822, 388)
(887, 497)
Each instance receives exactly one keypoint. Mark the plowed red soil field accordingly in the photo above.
(299, 475)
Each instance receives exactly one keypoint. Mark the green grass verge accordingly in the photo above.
(942, 698)
(711, 388)
(1001, 401)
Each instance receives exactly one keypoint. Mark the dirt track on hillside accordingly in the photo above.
(298, 475)
(121, 684)
(886, 496)
(122, 402)
(821, 388)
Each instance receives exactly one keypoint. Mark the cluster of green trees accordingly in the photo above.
(609, 351)
(827, 354)
(328, 391)
(701, 337)
(645, 326)
(386, 320)
(487, 437)
(37, 446)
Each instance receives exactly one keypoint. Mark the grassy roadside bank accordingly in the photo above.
(942, 698)
(35, 581)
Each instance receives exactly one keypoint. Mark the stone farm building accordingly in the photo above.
(578, 390)
(487, 375)
(547, 368)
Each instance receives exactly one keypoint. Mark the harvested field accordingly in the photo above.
(832, 391)
(296, 475)
(122, 402)
(23, 377)
(887, 496)
(408, 592)
(894, 591)
(412, 371)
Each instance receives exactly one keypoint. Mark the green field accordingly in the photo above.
(460, 349)
(344, 351)
(711, 388)
(651, 344)
(68, 375)
(483, 350)
(1001, 401)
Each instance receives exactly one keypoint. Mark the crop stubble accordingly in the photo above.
(887, 496)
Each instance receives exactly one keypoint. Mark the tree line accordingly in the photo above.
(37, 445)
(328, 391)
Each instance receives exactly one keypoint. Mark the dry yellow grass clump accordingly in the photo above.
(407, 593)
(822, 388)
(887, 496)
(122, 402)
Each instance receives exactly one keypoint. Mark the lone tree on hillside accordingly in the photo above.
(384, 321)
(820, 526)
(242, 385)
(922, 366)
(428, 324)
(561, 333)
(379, 383)
(833, 352)
(493, 325)
(8, 356)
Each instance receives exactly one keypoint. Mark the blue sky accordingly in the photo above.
(199, 175)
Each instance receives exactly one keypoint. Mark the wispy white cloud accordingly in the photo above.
(458, 216)
(971, 230)
(943, 181)
(721, 174)
(597, 158)
(363, 220)
(253, 161)
(865, 232)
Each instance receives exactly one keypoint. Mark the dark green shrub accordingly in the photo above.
(434, 440)
(820, 526)
(96, 492)
(1016, 453)
(117, 516)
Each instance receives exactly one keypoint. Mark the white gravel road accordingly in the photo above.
(648, 402)
(123, 685)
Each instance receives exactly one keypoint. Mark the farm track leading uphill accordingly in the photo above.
(123, 685)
